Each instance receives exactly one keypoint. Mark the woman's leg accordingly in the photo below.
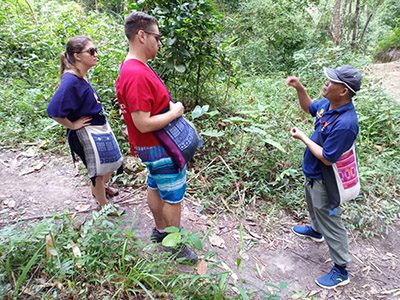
(110, 191)
(99, 191)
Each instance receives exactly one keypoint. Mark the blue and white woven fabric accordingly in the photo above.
(163, 174)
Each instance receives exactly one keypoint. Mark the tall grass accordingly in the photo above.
(99, 259)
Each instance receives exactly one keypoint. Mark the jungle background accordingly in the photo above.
(227, 61)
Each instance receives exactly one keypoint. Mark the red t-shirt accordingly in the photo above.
(138, 88)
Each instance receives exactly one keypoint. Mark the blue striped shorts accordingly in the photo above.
(163, 174)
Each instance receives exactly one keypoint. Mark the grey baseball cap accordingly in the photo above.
(348, 75)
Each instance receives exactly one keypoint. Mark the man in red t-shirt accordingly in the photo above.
(141, 96)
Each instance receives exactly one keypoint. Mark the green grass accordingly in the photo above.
(112, 264)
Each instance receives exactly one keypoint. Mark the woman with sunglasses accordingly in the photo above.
(76, 105)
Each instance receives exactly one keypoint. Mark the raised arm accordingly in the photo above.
(304, 99)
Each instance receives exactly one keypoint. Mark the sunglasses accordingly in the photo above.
(156, 36)
(91, 51)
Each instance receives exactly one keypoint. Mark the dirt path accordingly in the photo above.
(34, 185)
(388, 76)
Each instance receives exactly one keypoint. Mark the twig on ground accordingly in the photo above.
(379, 270)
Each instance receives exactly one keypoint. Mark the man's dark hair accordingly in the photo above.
(136, 21)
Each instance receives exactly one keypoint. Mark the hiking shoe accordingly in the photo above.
(333, 279)
(307, 231)
(187, 255)
(156, 236)
(184, 254)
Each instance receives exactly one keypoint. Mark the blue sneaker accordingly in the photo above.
(333, 279)
(307, 231)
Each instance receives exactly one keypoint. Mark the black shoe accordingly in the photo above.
(187, 255)
(156, 236)
(184, 253)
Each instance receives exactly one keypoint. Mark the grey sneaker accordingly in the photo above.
(156, 236)
(184, 253)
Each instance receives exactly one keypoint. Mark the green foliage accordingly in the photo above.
(308, 65)
(256, 161)
(29, 60)
(97, 259)
(390, 41)
(191, 59)
(268, 33)
(112, 6)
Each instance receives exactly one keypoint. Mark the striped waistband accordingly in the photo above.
(151, 153)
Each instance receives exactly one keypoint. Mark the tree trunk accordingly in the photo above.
(369, 19)
(356, 18)
(336, 23)
(344, 8)
(349, 21)
(32, 12)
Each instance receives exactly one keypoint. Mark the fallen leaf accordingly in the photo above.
(35, 168)
(312, 293)
(82, 207)
(216, 241)
(49, 246)
(31, 152)
(75, 249)
(226, 267)
(10, 204)
(77, 253)
(202, 267)
(4, 163)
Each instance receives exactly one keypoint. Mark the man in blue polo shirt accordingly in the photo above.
(336, 129)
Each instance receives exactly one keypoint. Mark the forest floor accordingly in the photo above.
(35, 185)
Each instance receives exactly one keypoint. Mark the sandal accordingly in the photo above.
(110, 191)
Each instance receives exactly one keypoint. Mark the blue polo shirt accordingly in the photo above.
(335, 131)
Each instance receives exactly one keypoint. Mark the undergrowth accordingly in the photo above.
(62, 257)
